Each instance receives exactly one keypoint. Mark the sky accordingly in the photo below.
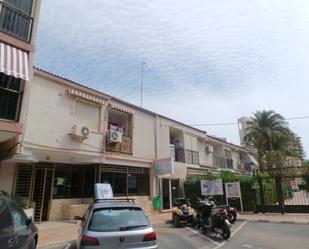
(207, 61)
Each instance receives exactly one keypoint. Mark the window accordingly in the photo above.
(120, 121)
(117, 219)
(87, 114)
(18, 217)
(191, 145)
(10, 97)
(126, 180)
(15, 17)
(228, 153)
(74, 181)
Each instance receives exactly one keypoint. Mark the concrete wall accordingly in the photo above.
(7, 176)
(66, 209)
(51, 117)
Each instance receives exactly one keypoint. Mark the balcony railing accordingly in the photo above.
(223, 162)
(124, 147)
(15, 22)
(177, 154)
(192, 157)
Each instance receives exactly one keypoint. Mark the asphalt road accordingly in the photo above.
(244, 235)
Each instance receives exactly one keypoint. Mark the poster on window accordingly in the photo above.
(103, 191)
(164, 166)
(232, 189)
(211, 187)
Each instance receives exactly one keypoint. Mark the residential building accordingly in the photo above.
(18, 28)
(75, 136)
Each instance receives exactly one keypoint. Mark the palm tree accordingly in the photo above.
(268, 133)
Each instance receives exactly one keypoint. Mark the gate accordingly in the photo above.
(283, 190)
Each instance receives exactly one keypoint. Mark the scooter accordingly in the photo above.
(232, 214)
(211, 217)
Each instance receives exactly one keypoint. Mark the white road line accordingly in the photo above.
(67, 246)
(215, 242)
(233, 233)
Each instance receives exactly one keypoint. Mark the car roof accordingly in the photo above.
(112, 204)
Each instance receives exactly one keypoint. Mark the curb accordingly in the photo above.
(55, 245)
(276, 221)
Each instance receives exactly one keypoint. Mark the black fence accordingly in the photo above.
(283, 190)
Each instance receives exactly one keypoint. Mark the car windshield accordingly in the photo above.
(117, 219)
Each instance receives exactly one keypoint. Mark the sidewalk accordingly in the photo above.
(60, 233)
(275, 218)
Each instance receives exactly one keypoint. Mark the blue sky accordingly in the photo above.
(208, 61)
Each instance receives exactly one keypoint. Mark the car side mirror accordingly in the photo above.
(29, 221)
(78, 218)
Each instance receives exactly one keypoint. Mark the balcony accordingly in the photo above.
(15, 22)
(192, 157)
(125, 147)
(177, 154)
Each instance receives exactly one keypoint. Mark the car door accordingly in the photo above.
(6, 227)
(23, 234)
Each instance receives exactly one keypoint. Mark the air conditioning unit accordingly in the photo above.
(80, 132)
(209, 148)
(114, 137)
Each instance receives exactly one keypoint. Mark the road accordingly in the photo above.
(245, 235)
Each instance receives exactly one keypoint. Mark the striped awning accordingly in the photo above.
(86, 96)
(14, 62)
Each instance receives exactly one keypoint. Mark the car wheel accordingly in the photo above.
(33, 244)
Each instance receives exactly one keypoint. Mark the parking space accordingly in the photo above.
(244, 235)
(170, 237)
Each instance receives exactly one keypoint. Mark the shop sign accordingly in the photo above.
(164, 166)
(212, 187)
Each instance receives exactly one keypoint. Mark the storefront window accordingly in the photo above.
(74, 181)
(125, 183)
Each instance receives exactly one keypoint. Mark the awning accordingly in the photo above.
(14, 62)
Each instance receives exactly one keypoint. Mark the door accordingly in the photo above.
(166, 193)
(175, 189)
(42, 192)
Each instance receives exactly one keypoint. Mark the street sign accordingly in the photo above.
(232, 190)
(211, 187)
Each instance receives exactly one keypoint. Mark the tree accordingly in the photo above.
(268, 133)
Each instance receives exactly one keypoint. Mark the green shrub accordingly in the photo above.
(23, 202)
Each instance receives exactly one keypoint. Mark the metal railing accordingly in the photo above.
(192, 157)
(15, 22)
(124, 147)
(219, 162)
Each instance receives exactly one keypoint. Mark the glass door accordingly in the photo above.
(166, 194)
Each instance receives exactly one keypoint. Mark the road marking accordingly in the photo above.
(67, 246)
(233, 233)
(215, 242)
(247, 246)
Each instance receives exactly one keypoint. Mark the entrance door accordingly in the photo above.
(175, 189)
(166, 193)
(42, 192)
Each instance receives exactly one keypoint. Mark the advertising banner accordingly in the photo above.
(212, 187)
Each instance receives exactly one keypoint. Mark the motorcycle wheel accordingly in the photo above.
(231, 217)
(193, 222)
(226, 232)
(176, 220)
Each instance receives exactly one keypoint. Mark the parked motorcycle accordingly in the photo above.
(214, 218)
(232, 214)
(183, 213)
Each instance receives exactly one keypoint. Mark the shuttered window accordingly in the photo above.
(87, 114)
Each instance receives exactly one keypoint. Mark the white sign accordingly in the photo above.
(103, 191)
(232, 189)
(164, 166)
(211, 187)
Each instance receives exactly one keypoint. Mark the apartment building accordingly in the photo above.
(18, 28)
(75, 136)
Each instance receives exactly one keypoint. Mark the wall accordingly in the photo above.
(7, 175)
(143, 135)
(50, 119)
(66, 209)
